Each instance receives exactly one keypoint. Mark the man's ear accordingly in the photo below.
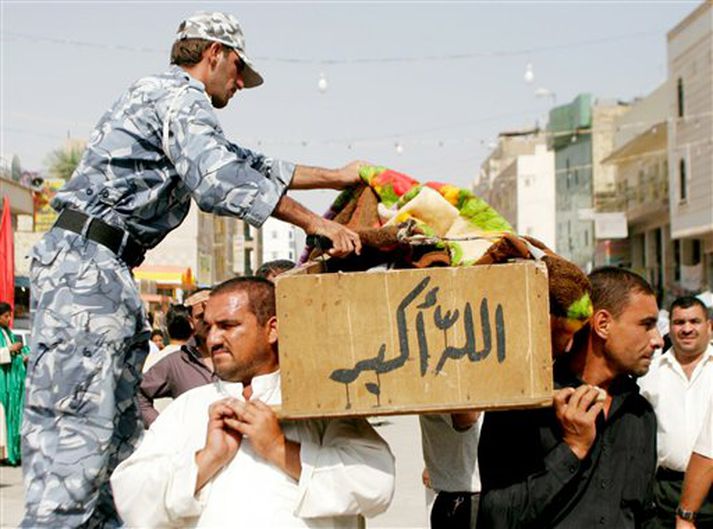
(213, 52)
(601, 323)
(272, 330)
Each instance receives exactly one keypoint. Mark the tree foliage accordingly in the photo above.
(62, 162)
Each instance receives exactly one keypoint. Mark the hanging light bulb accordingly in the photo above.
(322, 84)
(529, 74)
(399, 148)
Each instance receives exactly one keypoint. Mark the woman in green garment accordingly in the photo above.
(13, 356)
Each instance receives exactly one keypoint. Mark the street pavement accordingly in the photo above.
(11, 496)
(408, 509)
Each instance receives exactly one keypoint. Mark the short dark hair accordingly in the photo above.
(187, 52)
(5, 308)
(178, 322)
(157, 332)
(275, 267)
(684, 302)
(260, 292)
(613, 286)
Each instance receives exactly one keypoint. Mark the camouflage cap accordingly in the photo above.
(223, 28)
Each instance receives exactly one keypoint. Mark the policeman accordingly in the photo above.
(156, 148)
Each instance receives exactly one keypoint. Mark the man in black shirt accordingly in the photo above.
(590, 460)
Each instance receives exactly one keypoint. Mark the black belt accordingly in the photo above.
(105, 234)
(666, 474)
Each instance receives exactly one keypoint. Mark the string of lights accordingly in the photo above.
(402, 144)
(357, 60)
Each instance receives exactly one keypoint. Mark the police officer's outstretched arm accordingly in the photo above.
(306, 177)
(344, 240)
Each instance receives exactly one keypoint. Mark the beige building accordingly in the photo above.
(640, 167)
(604, 116)
(510, 145)
(203, 244)
(518, 180)
(690, 146)
(247, 248)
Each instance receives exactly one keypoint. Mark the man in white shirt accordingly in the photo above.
(679, 386)
(450, 451)
(218, 456)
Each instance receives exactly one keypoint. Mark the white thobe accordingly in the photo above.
(347, 470)
(680, 405)
(5, 354)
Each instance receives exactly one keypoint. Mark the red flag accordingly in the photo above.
(7, 256)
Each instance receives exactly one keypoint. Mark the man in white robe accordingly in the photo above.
(218, 456)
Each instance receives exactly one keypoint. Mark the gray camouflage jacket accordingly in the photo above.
(157, 146)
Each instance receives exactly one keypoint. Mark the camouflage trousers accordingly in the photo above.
(89, 341)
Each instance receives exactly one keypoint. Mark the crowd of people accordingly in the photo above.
(627, 442)
(100, 447)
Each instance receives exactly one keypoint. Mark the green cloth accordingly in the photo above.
(12, 394)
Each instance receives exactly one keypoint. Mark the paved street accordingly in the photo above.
(408, 509)
(10, 496)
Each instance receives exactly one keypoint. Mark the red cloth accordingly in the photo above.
(7, 256)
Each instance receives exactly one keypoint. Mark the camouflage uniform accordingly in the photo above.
(158, 146)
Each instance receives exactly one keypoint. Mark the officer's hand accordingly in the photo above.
(344, 240)
(16, 347)
(349, 174)
(577, 412)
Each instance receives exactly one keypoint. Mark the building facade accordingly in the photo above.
(202, 244)
(690, 146)
(517, 179)
(571, 140)
(280, 240)
(640, 164)
(582, 135)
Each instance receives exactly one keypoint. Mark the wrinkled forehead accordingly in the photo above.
(227, 306)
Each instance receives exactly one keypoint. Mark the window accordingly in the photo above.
(680, 96)
(682, 185)
(567, 169)
(586, 237)
(696, 251)
(274, 234)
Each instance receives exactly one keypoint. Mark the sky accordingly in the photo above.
(421, 87)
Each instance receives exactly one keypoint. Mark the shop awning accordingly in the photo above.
(652, 140)
(165, 275)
